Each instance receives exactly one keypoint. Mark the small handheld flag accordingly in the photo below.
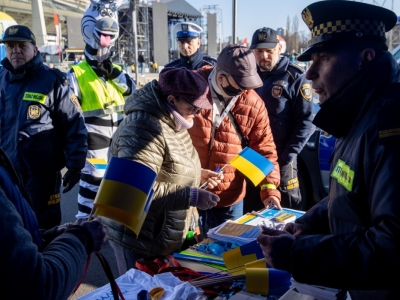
(252, 164)
(98, 163)
(125, 193)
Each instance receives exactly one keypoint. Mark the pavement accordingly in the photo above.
(142, 80)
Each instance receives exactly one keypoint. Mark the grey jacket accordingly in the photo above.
(147, 135)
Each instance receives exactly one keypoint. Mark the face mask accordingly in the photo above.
(230, 90)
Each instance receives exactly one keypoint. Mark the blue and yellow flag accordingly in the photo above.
(252, 165)
(125, 193)
(98, 163)
(260, 278)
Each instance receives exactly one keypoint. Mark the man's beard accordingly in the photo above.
(265, 65)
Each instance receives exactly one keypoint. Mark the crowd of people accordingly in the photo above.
(185, 126)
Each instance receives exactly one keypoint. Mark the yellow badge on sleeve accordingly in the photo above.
(75, 101)
(305, 91)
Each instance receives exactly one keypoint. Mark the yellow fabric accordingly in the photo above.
(257, 280)
(97, 98)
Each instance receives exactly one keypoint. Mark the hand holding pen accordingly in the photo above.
(210, 178)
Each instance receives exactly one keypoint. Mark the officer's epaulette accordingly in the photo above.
(296, 66)
(210, 59)
(61, 76)
(388, 120)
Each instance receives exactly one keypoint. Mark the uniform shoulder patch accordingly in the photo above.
(296, 66)
(75, 101)
(305, 91)
(388, 122)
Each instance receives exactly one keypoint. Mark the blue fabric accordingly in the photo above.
(216, 216)
(22, 206)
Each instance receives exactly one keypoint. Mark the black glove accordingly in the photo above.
(204, 200)
(107, 70)
(70, 179)
(98, 231)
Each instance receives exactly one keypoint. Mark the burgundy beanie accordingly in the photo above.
(181, 82)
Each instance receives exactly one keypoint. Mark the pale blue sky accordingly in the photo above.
(254, 14)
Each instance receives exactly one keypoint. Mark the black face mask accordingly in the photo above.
(230, 90)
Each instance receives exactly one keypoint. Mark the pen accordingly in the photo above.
(218, 169)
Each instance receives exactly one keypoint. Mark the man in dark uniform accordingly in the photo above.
(42, 127)
(287, 96)
(351, 239)
(191, 56)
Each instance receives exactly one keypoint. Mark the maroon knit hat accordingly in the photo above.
(181, 82)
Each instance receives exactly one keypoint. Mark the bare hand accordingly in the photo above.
(212, 178)
(272, 201)
(276, 246)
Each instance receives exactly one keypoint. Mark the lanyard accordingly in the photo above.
(217, 117)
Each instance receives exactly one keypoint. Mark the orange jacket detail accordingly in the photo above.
(252, 117)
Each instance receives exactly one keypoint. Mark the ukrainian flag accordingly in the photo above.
(252, 164)
(98, 163)
(260, 278)
(125, 193)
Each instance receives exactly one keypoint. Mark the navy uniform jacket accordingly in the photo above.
(356, 230)
(194, 62)
(287, 96)
(42, 127)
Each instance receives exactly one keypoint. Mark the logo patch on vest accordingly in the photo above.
(305, 91)
(75, 101)
(276, 91)
(34, 112)
(344, 175)
(29, 96)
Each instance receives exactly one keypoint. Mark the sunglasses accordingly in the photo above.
(195, 109)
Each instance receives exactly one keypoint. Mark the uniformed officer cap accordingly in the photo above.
(186, 31)
(334, 22)
(264, 38)
(18, 33)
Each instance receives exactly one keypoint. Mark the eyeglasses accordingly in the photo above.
(195, 109)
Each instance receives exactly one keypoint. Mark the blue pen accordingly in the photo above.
(205, 185)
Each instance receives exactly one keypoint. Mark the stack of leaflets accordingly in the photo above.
(246, 229)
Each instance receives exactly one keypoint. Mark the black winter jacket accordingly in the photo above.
(42, 127)
(287, 96)
(356, 241)
(194, 62)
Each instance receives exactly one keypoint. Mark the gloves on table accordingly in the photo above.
(107, 69)
(70, 179)
(202, 199)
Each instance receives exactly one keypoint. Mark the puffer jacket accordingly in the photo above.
(252, 117)
(147, 135)
(355, 241)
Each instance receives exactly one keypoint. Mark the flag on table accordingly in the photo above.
(252, 165)
(260, 278)
(125, 193)
(242, 255)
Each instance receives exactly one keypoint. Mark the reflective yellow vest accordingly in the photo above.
(97, 98)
